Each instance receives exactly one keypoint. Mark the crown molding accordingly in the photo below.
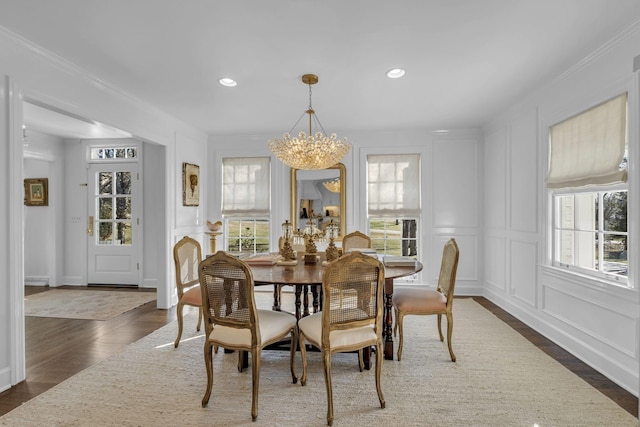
(600, 51)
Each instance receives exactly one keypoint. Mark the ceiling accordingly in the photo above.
(465, 60)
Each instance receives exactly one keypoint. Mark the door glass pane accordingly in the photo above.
(120, 153)
(123, 233)
(105, 183)
(105, 208)
(123, 182)
(105, 233)
(123, 207)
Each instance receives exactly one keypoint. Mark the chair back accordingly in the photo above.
(448, 268)
(187, 255)
(227, 294)
(352, 287)
(355, 240)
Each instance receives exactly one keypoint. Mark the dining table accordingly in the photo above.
(305, 277)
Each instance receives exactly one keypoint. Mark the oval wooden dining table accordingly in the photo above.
(306, 277)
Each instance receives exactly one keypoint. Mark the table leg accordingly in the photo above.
(387, 329)
(305, 297)
(276, 297)
(298, 303)
(315, 291)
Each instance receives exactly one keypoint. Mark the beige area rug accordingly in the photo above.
(500, 379)
(84, 304)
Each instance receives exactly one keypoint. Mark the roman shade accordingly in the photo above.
(393, 185)
(245, 186)
(587, 149)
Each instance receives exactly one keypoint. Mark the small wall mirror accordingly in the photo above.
(319, 196)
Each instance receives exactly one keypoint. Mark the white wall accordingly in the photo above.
(597, 322)
(38, 76)
(43, 225)
(451, 184)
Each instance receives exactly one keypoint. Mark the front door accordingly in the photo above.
(113, 237)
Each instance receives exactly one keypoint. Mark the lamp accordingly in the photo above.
(332, 232)
(333, 185)
(310, 151)
(287, 234)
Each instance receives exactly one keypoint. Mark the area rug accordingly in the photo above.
(84, 304)
(499, 379)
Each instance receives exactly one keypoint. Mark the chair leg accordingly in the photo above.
(294, 346)
(440, 327)
(208, 363)
(399, 319)
(395, 326)
(255, 376)
(179, 315)
(361, 359)
(303, 356)
(326, 362)
(449, 334)
(379, 351)
(200, 317)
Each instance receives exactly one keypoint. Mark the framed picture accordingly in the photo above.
(190, 184)
(36, 191)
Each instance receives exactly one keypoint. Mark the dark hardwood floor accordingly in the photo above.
(59, 348)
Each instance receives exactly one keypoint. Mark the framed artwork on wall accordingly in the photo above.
(190, 184)
(36, 191)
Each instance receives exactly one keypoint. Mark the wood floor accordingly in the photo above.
(59, 348)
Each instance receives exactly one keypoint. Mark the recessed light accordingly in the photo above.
(395, 73)
(226, 81)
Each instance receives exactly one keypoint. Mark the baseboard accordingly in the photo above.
(36, 281)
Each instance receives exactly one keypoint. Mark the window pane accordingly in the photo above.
(565, 211)
(105, 208)
(105, 233)
(123, 233)
(105, 183)
(585, 249)
(123, 207)
(615, 254)
(565, 247)
(586, 211)
(614, 212)
(123, 182)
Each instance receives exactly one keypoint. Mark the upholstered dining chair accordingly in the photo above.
(351, 318)
(187, 255)
(420, 301)
(232, 321)
(355, 239)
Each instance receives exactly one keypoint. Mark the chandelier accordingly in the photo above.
(310, 151)
(333, 185)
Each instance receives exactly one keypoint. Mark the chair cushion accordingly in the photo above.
(193, 296)
(311, 327)
(419, 301)
(271, 323)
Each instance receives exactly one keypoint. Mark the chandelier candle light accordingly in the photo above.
(310, 151)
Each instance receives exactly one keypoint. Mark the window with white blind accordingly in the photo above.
(588, 182)
(246, 203)
(393, 203)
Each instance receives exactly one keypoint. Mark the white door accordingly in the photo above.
(113, 237)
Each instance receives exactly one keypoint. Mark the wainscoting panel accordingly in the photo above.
(494, 257)
(523, 174)
(522, 271)
(495, 171)
(455, 202)
(593, 320)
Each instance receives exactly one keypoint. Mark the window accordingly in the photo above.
(248, 235)
(590, 232)
(587, 177)
(393, 203)
(246, 203)
(113, 153)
